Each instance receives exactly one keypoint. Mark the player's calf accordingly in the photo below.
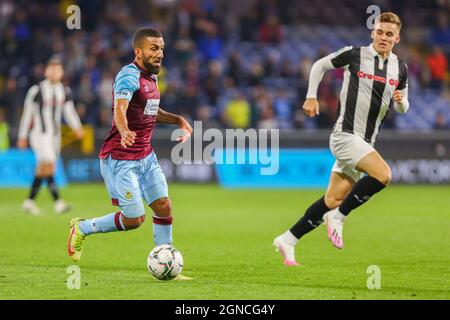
(109, 223)
(162, 221)
(378, 177)
(362, 191)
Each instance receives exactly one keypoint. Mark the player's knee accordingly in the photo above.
(332, 202)
(133, 223)
(40, 170)
(162, 207)
(385, 176)
(48, 172)
(50, 169)
(45, 169)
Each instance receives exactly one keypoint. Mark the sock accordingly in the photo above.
(52, 187)
(35, 186)
(312, 218)
(289, 238)
(162, 230)
(338, 215)
(110, 223)
(361, 192)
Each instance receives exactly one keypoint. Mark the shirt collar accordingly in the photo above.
(47, 82)
(376, 54)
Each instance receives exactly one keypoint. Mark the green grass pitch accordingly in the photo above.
(226, 238)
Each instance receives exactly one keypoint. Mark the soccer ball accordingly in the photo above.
(165, 262)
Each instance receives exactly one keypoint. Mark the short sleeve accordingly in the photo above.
(402, 75)
(341, 57)
(68, 93)
(126, 82)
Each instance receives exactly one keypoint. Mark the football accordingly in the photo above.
(165, 262)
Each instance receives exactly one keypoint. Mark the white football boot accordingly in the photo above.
(29, 206)
(335, 224)
(286, 250)
(61, 206)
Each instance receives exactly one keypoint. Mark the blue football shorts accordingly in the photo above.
(131, 181)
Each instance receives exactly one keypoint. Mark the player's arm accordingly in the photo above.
(27, 117)
(170, 118)
(120, 119)
(125, 84)
(71, 116)
(401, 104)
(335, 60)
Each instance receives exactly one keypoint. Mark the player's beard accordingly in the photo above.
(150, 67)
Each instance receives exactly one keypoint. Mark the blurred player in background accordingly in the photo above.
(128, 163)
(374, 79)
(45, 104)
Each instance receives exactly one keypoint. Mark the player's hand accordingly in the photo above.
(311, 107)
(79, 134)
(22, 143)
(186, 128)
(398, 96)
(127, 138)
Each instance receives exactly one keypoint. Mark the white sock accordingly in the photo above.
(339, 215)
(289, 238)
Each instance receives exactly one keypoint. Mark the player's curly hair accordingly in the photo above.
(390, 17)
(144, 33)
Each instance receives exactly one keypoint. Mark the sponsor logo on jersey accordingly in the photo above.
(369, 76)
(151, 107)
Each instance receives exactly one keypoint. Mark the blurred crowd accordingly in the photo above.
(229, 63)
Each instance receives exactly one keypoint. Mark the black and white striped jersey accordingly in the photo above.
(367, 90)
(45, 104)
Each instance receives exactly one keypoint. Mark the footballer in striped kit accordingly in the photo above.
(375, 80)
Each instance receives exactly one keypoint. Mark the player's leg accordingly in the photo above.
(378, 177)
(162, 221)
(121, 180)
(60, 205)
(348, 176)
(338, 187)
(38, 145)
(39, 177)
(50, 177)
(29, 204)
(155, 193)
